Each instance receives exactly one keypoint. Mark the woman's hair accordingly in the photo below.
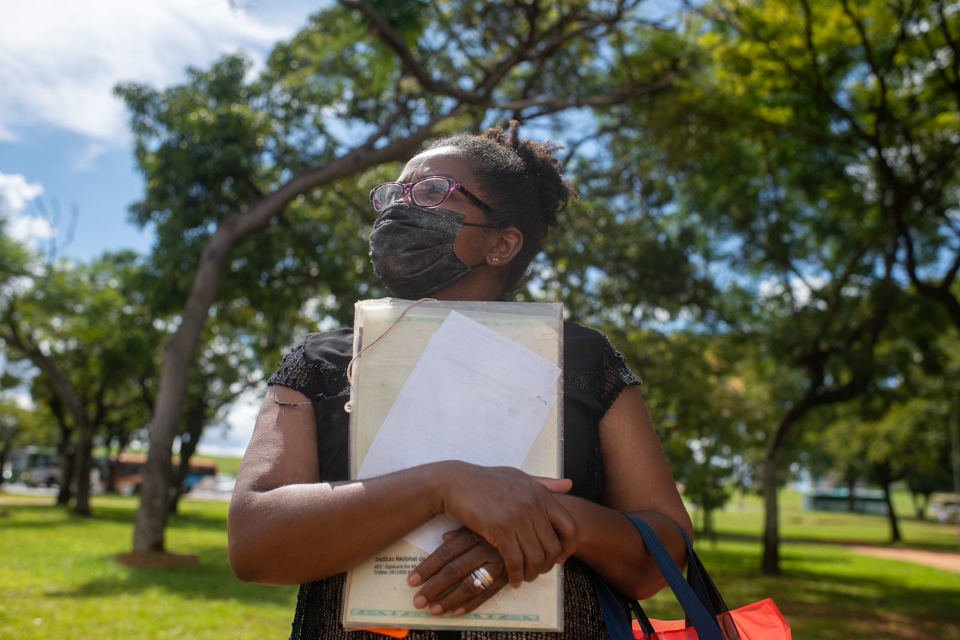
(524, 182)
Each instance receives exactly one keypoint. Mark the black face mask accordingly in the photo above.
(411, 249)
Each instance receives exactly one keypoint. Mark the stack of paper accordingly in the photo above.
(472, 381)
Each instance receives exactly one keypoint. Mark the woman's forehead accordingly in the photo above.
(442, 161)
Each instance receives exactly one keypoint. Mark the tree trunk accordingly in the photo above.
(64, 452)
(119, 444)
(178, 351)
(851, 495)
(189, 439)
(886, 478)
(708, 529)
(65, 403)
(65, 490)
(770, 475)
(5, 448)
(920, 502)
(770, 564)
(113, 466)
(82, 466)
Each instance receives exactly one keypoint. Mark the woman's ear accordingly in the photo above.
(507, 247)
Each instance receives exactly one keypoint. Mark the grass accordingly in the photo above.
(59, 577)
(829, 593)
(744, 515)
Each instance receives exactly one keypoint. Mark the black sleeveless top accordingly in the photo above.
(594, 374)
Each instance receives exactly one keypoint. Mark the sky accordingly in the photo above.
(67, 172)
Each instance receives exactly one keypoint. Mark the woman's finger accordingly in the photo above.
(455, 544)
(565, 527)
(533, 551)
(454, 573)
(551, 544)
(471, 604)
(476, 588)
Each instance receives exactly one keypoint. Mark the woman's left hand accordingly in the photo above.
(447, 575)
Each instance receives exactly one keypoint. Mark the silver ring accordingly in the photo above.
(481, 578)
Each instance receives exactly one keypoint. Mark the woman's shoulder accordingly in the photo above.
(329, 347)
(317, 366)
(584, 346)
(593, 366)
(574, 331)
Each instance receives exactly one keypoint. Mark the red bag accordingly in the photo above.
(708, 616)
(758, 621)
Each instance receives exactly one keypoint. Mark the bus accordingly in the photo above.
(127, 473)
(35, 467)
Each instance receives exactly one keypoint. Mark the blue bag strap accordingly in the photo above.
(706, 589)
(645, 625)
(616, 611)
(703, 585)
(696, 609)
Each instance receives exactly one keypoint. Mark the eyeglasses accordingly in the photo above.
(430, 192)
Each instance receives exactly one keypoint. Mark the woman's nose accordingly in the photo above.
(407, 194)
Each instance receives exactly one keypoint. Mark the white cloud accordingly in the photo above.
(30, 229)
(60, 60)
(87, 158)
(15, 193)
(5, 134)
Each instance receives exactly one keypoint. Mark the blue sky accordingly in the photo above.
(64, 141)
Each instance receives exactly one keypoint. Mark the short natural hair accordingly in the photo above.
(523, 181)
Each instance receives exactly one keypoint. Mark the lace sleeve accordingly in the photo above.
(316, 367)
(615, 375)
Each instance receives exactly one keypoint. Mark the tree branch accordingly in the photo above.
(412, 65)
(58, 380)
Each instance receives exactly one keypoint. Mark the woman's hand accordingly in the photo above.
(446, 574)
(519, 515)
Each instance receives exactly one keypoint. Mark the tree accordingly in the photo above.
(18, 427)
(899, 428)
(877, 85)
(357, 88)
(91, 347)
(776, 158)
(695, 385)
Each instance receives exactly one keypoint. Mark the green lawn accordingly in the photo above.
(743, 517)
(829, 593)
(59, 577)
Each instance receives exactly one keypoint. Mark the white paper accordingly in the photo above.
(474, 395)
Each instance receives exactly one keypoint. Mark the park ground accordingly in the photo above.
(61, 577)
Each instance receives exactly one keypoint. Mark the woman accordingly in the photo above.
(463, 222)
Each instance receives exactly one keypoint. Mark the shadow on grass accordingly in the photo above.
(945, 547)
(210, 580)
(37, 516)
(838, 608)
(827, 595)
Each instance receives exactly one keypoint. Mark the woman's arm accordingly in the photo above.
(286, 527)
(638, 481)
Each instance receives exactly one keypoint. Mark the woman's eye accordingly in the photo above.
(436, 189)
